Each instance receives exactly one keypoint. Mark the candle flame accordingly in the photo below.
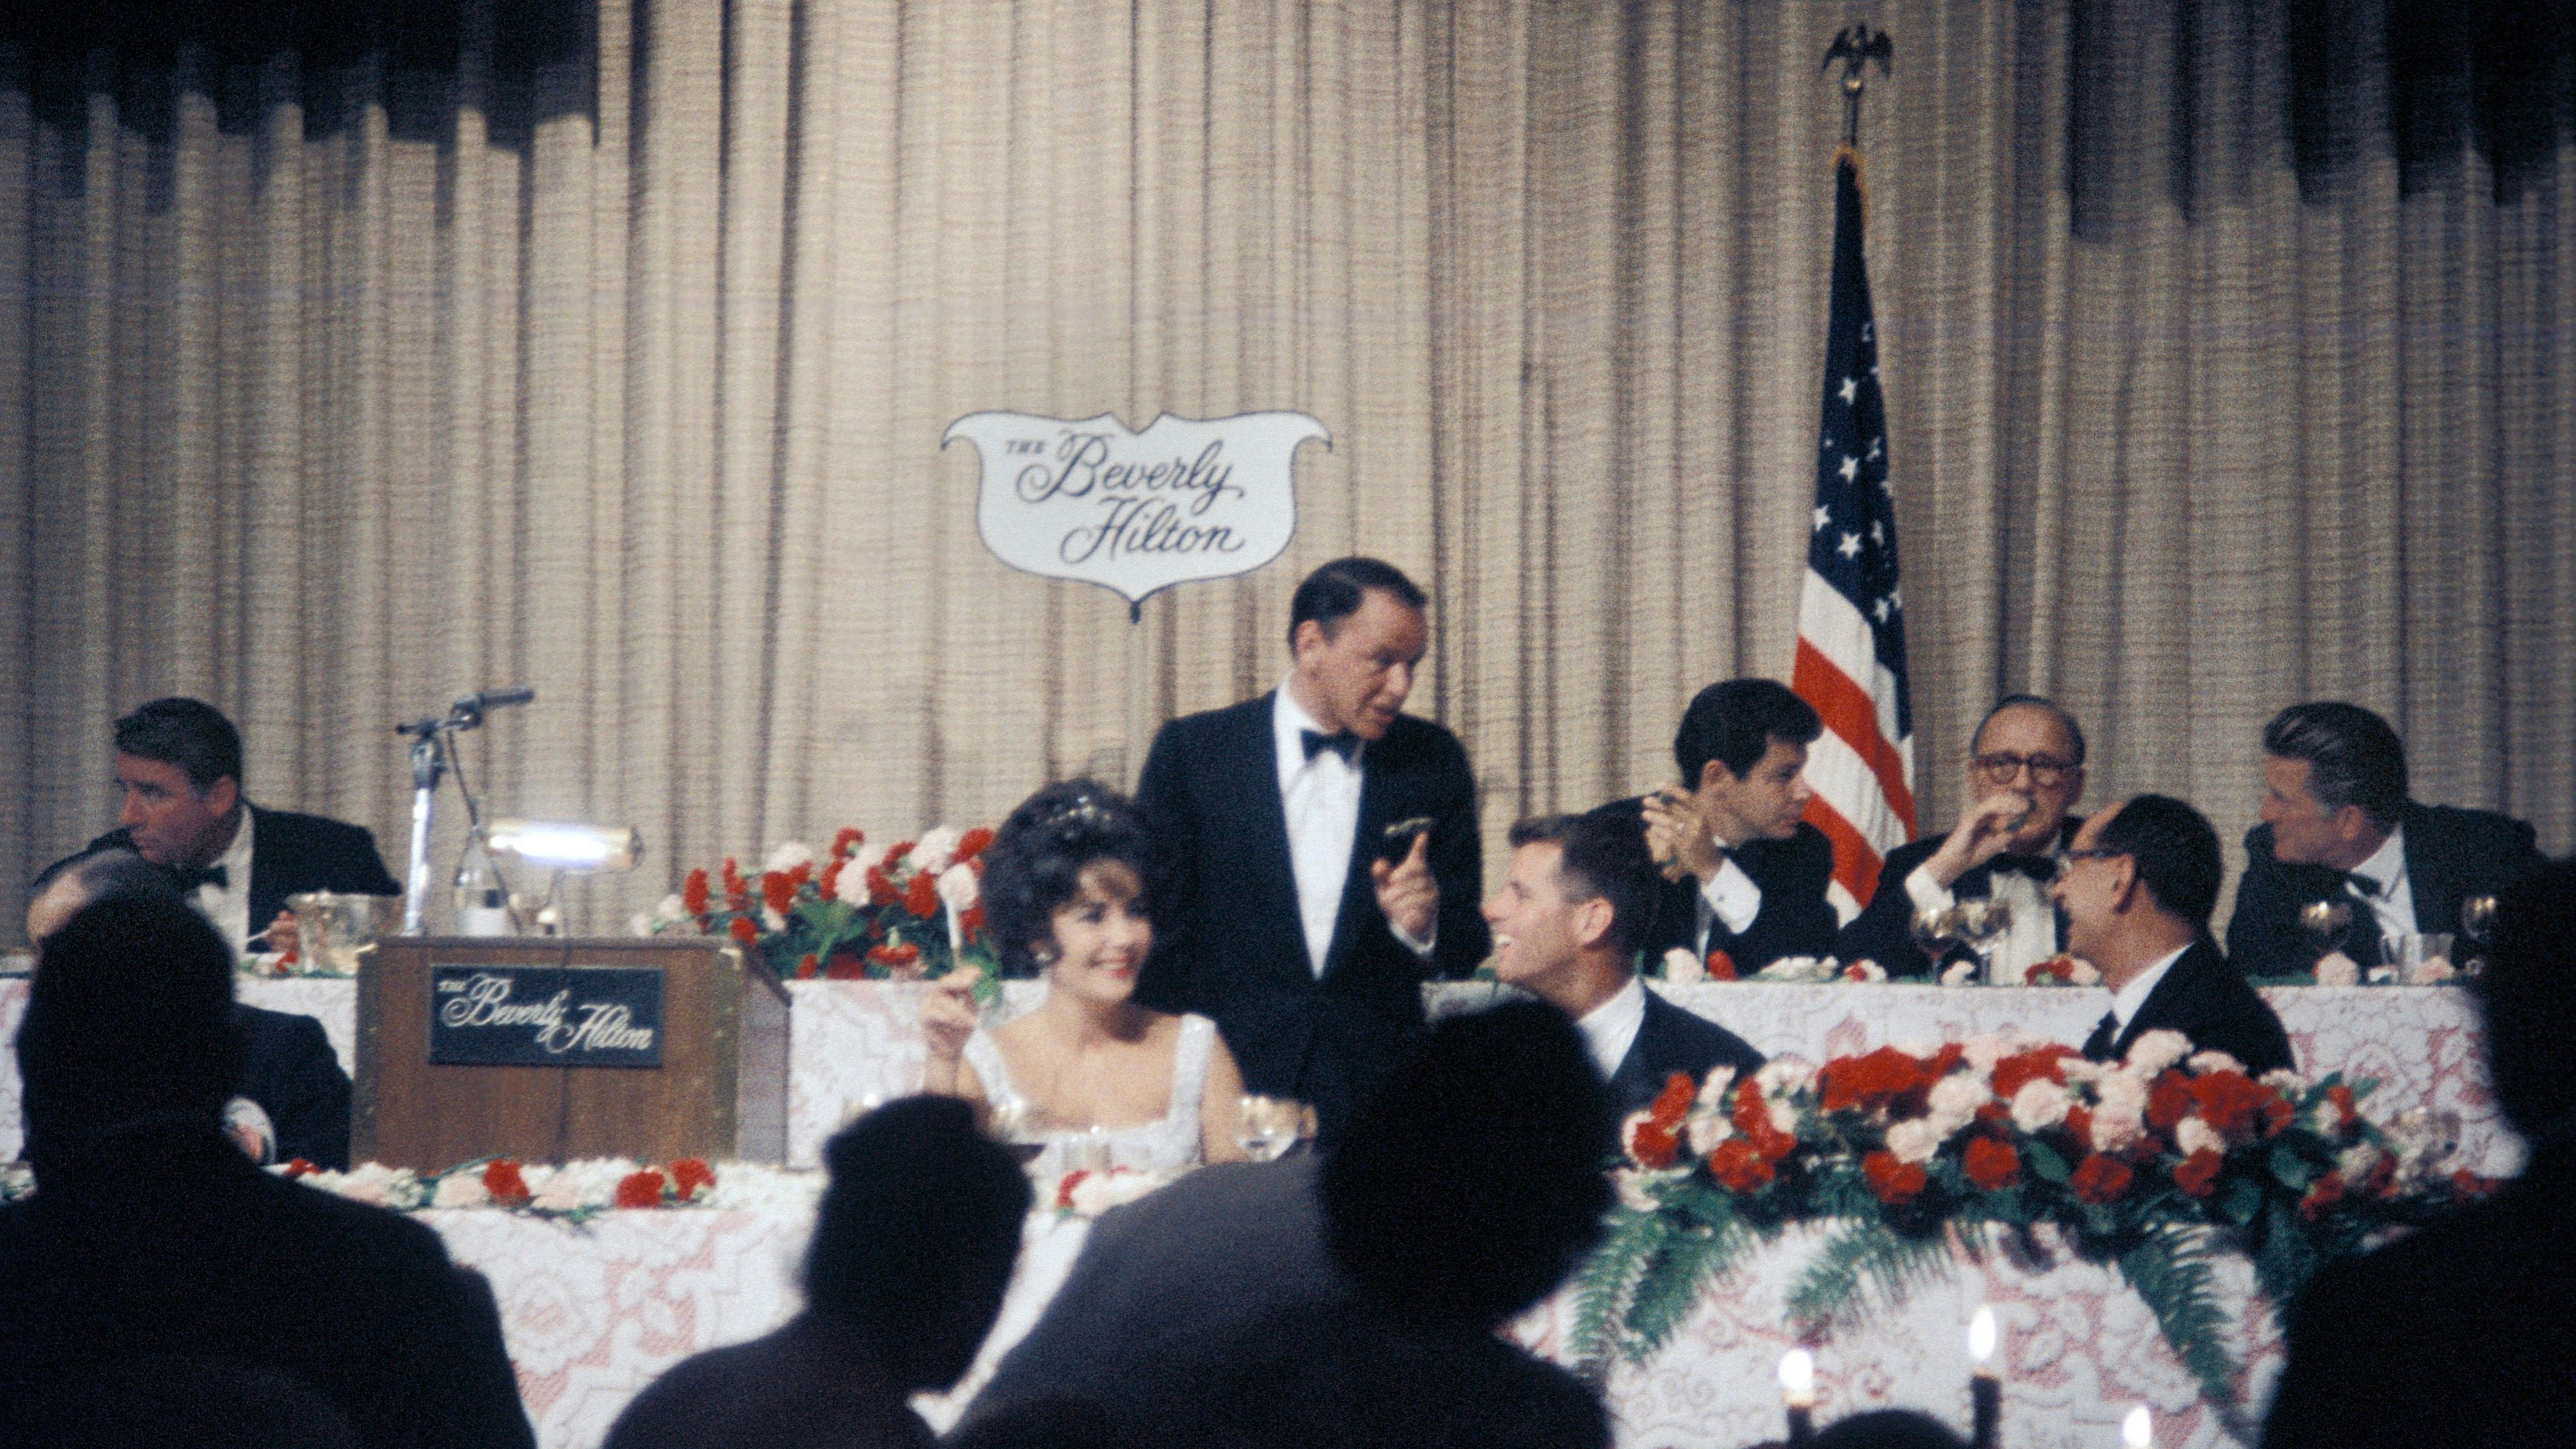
(2139, 1429)
(1981, 1335)
(1798, 1377)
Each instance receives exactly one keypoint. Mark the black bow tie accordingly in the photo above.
(1344, 744)
(2106, 1034)
(2041, 868)
(2362, 885)
(191, 877)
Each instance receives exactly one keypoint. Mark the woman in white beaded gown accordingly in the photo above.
(1064, 891)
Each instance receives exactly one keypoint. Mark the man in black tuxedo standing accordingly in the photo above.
(1743, 874)
(1567, 923)
(2338, 827)
(2139, 884)
(2025, 771)
(1284, 909)
(179, 762)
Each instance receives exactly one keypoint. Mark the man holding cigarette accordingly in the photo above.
(1315, 853)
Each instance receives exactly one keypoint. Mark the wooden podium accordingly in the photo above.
(716, 1085)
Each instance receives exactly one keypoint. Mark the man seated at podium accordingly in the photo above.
(179, 762)
(292, 1098)
(1567, 924)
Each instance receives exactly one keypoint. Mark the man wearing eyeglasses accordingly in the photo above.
(2025, 771)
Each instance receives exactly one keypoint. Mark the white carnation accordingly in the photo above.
(2286, 1082)
(1955, 1100)
(1707, 1129)
(460, 1190)
(2337, 969)
(1683, 967)
(2081, 1069)
(936, 849)
(772, 921)
(1098, 1192)
(1637, 1186)
(1864, 971)
(2157, 1050)
(1784, 1117)
(2431, 971)
(759, 1187)
(1960, 973)
(1982, 1052)
(1715, 1087)
(2203, 1063)
(959, 888)
(1914, 1140)
(788, 856)
(375, 1183)
(2192, 1135)
(2355, 1162)
(2040, 1104)
(2119, 1111)
(1785, 1076)
(2084, 973)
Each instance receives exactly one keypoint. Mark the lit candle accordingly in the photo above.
(2139, 1429)
(1985, 1390)
(1798, 1392)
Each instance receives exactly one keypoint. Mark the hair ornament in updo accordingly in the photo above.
(1036, 860)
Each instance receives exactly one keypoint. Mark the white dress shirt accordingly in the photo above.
(2032, 937)
(228, 906)
(2393, 903)
(1611, 1028)
(1322, 799)
(2126, 1001)
(1729, 896)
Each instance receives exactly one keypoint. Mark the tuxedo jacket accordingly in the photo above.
(291, 853)
(288, 1068)
(813, 1384)
(1229, 942)
(2207, 1000)
(2475, 1308)
(2451, 855)
(171, 1243)
(1884, 930)
(1671, 1040)
(1795, 919)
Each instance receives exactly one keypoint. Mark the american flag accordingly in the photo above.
(1851, 615)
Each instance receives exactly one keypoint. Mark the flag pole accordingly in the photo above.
(1856, 47)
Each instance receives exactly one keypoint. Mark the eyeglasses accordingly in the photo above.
(2046, 771)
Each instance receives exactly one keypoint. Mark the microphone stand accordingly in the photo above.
(432, 756)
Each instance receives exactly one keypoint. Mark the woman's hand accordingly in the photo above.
(948, 1017)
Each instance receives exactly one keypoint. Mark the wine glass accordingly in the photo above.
(2477, 922)
(1937, 932)
(1266, 1127)
(1982, 924)
(2324, 921)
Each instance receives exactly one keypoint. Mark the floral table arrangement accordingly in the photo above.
(2154, 1165)
(913, 912)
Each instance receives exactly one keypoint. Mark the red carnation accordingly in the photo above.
(640, 1189)
(2169, 1100)
(777, 891)
(1721, 967)
(737, 894)
(2023, 1068)
(1673, 1103)
(1653, 1146)
(2346, 1114)
(693, 892)
(2323, 1194)
(2238, 1106)
(1895, 1183)
(801, 872)
(881, 891)
(921, 897)
(502, 1180)
(741, 929)
(897, 851)
(691, 1176)
(845, 840)
(901, 954)
(844, 967)
(828, 885)
(2079, 1123)
(1064, 1189)
(970, 922)
(1992, 1165)
(1739, 1166)
(1879, 1079)
(2198, 1174)
(300, 1167)
(974, 842)
(2100, 1179)
(1752, 1117)
(805, 966)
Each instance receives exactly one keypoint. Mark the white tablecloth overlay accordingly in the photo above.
(592, 1314)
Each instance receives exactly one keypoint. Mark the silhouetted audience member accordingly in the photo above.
(912, 1250)
(1048, 1423)
(1462, 1194)
(2459, 1333)
(150, 1238)
(1888, 1429)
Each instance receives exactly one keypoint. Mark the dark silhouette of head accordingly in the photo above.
(1472, 1180)
(1335, 591)
(1888, 1429)
(1734, 723)
(2353, 757)
(188, 733)
(85, 880)
(2176, 853)
(915, 1238)
(2528, 995)
(129, 1020)
(1037, 858)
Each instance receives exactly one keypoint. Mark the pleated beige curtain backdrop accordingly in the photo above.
(627, 379)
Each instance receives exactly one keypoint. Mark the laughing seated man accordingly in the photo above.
(1567, 923)
(2139, 884)
(179, 762)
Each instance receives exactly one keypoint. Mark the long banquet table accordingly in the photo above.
(593, 1313)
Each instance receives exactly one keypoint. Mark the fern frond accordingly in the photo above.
(1673, 1283)
(2171, 1271)
(1607, 1283)
(1863, 1261)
